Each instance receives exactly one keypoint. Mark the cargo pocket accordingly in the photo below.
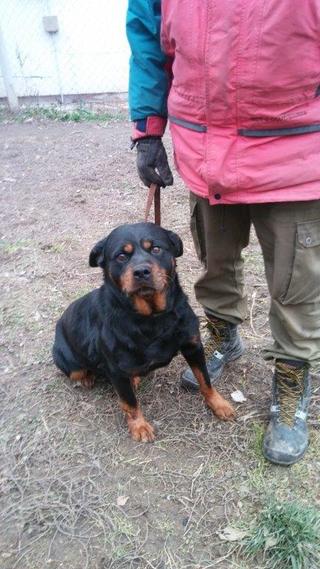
(304, 282)
(197, 229)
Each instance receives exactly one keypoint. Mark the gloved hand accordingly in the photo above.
(152, 162)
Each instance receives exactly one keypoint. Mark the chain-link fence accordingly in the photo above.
(62, 51)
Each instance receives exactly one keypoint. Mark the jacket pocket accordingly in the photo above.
(290, 131)
(304, 281)
(197, 127)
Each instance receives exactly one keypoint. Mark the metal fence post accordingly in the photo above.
(7, 77)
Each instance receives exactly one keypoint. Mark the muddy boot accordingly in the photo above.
(286, 438)
(222, 344)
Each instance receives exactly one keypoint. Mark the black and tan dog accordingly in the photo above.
(137, 321)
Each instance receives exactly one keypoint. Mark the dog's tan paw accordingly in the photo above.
(141, 431)
(221, 408)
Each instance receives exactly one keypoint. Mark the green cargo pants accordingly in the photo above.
(289, 235)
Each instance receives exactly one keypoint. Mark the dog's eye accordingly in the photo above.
(156, 250)
(122, 257)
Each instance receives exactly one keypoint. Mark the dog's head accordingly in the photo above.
(139, 259)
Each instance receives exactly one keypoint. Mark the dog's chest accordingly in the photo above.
(149, 351)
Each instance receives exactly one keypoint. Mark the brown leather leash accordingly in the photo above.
(153, 196)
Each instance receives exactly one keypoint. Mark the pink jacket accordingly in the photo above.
(244, 105)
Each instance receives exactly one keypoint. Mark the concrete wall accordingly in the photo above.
(89, 53)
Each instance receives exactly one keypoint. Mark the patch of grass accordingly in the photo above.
(257, 440)
(78, 114)
(264, 478)
(287, 535)
(314, 447)
(167, 527)
(58, 247)
(12, 247)
(257, 474)
(3, 112)
(82, 291)
(11, 316)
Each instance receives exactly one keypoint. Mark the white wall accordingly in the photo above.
(89, 53)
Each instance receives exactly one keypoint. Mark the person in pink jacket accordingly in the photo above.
(239, 83)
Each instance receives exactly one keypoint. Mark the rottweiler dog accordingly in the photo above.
(137, 321)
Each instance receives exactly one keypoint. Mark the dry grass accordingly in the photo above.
(66, 456)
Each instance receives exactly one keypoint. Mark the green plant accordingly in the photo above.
(78, 114)
(10, 248)
(287, 534)
(257, 473)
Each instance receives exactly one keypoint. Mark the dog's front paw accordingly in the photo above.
(221, 408)
(141, 430)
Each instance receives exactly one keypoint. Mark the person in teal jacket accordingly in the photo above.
(148, 90)
(245, 122)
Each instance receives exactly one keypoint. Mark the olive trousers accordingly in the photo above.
(289, 236)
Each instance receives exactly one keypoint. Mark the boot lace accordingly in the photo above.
(290, 385)
(212, 334)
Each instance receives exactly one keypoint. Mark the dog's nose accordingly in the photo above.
(142, 273)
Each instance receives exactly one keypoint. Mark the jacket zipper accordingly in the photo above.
(306, 129)
(256, 133)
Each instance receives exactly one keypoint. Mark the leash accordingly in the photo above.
(153, 196)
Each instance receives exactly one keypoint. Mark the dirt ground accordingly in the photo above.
(75, 491)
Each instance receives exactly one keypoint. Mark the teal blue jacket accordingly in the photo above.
(148, 79)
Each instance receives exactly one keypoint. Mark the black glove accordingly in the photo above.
(152, 162)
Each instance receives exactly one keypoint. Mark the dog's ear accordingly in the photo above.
(96, 257)
(177, 244)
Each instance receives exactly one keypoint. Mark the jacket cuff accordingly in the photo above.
(150, 126)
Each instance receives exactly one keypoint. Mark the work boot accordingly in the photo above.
(286, 438)
(222, 344)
